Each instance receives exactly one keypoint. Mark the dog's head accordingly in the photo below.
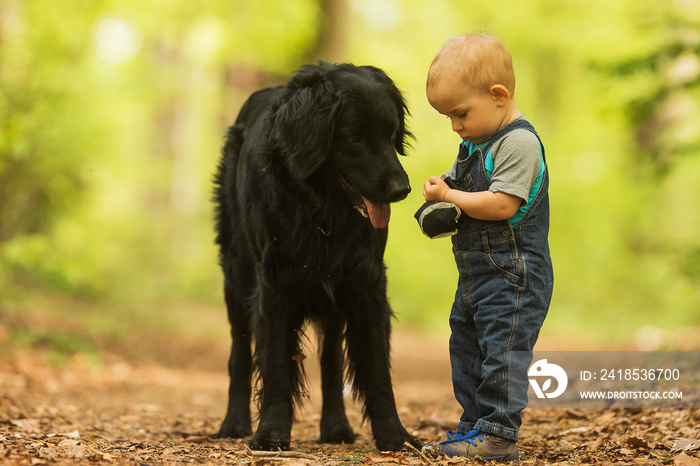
(350, 121)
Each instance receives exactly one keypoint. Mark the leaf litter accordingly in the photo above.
(124, 411)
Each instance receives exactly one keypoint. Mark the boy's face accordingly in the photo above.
(475, 115)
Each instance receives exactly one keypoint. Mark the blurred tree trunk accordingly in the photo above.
(665, 120)
(331, 41)
(330, 44)
(175, 123)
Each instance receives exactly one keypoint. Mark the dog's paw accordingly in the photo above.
(414, 442)
(396, 442)
(340, 432)
(268, 441)
(233, 430)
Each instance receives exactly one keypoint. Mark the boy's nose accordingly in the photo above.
(456, 125)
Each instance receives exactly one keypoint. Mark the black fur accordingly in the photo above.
(296, 246)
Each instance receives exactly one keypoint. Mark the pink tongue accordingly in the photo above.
(378, 213)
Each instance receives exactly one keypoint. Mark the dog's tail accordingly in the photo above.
(222, 200)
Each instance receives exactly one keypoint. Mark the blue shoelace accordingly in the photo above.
(453, 436)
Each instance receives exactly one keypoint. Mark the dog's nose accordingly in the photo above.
(399, 189)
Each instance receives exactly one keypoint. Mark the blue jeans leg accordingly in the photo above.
(466, 361)
(493, 316)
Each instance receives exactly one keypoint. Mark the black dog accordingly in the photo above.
(303, 192)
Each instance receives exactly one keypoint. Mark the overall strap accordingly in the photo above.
(520, 123)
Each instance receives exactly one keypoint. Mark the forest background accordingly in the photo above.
(112, 115)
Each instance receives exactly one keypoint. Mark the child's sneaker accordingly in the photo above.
(472, 444)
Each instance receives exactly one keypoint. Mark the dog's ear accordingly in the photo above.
(304, 123)
(403, 135)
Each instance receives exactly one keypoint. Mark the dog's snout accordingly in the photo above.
(399, 189)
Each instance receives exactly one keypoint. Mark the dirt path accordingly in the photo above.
(160, 412)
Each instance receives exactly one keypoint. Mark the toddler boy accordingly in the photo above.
(500, 246)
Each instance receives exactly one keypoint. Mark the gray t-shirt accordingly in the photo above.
(513, 163)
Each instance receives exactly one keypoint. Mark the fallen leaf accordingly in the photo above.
(634, 440)
(73, 448)
(575, 413)
(27, 425)
(595, 445)
(685, 460)
(685, 444)
(575, 430)
(104, 456)
(566, 446)
(449, 461)
(387, 457)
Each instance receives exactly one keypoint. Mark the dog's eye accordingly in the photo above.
(357, 139)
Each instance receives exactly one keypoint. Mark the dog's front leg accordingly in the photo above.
(368, 333)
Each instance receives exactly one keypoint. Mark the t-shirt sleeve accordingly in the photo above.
(516, 164)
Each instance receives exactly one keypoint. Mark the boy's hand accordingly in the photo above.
(435, 189)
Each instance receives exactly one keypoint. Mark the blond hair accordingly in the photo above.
(480, 60)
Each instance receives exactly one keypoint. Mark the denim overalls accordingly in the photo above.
(504, 291)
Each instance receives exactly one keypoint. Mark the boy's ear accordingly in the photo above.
(500, 93)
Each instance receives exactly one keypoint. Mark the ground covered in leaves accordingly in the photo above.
(120, 410)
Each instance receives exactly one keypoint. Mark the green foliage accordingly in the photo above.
(112, 114)
(40, 155)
